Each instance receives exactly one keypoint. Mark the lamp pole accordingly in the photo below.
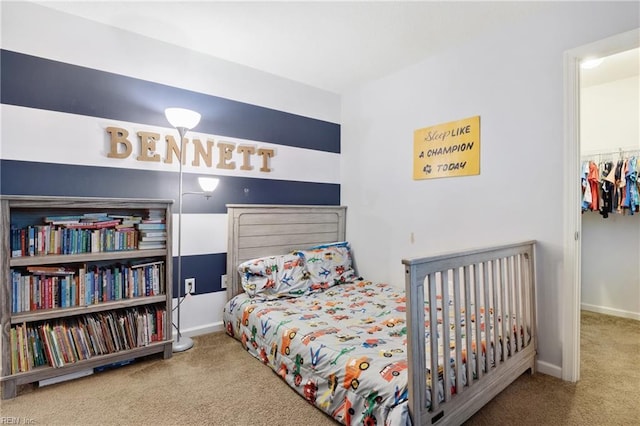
(183, 120)
(181, 344)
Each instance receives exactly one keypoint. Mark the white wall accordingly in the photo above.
(610, 116)
(609, 121)
(513, 79)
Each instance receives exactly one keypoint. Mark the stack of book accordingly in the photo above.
(48, 287)
(75, 234)
(92, 221)
(152, 231)
(67, 341)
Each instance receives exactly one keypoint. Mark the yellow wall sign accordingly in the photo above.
(446, 150)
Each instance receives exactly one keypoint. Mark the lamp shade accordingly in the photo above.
(182, 118)
(208, 184)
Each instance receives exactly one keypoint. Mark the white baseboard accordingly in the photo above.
(610, 311)
(549, 369)
(204, 329)
(65, 377)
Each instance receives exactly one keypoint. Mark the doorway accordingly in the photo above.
(573, 194)
(609, 144)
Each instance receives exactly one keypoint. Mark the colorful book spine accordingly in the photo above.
(67, 341)
(46, 287)
(39, 240)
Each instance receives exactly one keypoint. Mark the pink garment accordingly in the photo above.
(593, 178)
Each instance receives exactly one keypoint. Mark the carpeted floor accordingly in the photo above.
(608, 392)
(204, 386)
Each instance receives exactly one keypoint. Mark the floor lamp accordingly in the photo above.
(184, 120)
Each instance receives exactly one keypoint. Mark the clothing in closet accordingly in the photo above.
(608, 184)
(631, 179)
(609, 187)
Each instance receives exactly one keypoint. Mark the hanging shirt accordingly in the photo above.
(631, 178)
(594, 181)
(586, 188)
(617, 194)
(606, 206)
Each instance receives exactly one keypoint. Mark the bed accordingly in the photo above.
(363, 351)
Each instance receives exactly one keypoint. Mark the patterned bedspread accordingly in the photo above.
(343, 349)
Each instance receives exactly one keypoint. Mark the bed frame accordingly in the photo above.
(503, 278)
(268, 230)
(499, 278)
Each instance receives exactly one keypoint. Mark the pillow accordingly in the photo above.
(326, 245)
(275, 276)
(328, 265)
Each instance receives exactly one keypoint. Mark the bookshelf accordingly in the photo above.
(78, 291)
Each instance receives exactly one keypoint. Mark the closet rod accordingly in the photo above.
(621, 152)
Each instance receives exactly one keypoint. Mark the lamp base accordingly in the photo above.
(184, 344)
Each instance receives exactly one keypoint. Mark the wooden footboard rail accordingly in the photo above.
(485, 296)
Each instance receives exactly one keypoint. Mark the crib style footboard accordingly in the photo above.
(478, 331)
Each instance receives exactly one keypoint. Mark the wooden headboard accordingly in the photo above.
(265, 230)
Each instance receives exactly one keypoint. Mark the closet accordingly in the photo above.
(610, 157)
(609, 183)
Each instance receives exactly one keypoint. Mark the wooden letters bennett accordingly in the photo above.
(227, 152)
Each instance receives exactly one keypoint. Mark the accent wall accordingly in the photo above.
(83, 115)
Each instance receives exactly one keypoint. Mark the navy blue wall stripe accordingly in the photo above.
(206, 269)
(30, 178)
(40, 83)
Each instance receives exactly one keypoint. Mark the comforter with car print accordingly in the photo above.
(343, 349)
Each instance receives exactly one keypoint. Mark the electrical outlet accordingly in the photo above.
(223, 281)
(190, 286)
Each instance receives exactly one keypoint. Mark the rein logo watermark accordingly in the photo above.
(7, 420)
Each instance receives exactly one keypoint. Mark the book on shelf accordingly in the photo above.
(84, 285)
(50, 270)
(54, 346)
(13, 347)
(151, 226)
(144, 263)
(153, 233)
(160, 238)
(112, 223)
(66, 341)
(146, 245)
(82, 218)
(64, 222)
(71, 239)
(62, 219)
(95, 215)
(44, 339)
(127, 217)
(155, 214)
(128, 221)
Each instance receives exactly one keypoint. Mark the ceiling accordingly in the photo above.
(327, 45)
(614, 67)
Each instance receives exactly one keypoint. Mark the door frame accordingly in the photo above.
(570, 316)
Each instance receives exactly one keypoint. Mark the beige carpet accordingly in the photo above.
(608, 392)
(205, 385)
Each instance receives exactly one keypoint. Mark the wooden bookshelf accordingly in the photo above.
(22, 212)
